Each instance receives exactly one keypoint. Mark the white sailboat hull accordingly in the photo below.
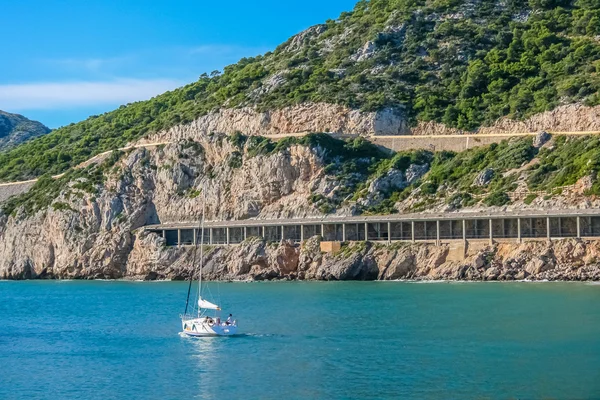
(202, 327)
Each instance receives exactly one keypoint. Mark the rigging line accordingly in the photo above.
(201, 246)
(187, 300)
(200, 225)
(219, 292)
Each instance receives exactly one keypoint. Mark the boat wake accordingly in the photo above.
(240, 335)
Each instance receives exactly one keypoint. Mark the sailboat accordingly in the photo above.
(198, 323)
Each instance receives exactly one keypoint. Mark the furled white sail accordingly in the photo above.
(207, 305)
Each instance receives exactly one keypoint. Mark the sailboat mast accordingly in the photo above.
(201, 245)
(201, 226)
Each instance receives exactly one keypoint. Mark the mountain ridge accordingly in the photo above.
(460, 63)
(16, 129)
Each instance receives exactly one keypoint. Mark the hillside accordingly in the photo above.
(463, 63)
(16, 129)
(356, 177)
(87, 223)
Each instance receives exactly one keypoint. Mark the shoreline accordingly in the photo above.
(414, 281)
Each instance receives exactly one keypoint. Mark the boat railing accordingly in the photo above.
(187, 317)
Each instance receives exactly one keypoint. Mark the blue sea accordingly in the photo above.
(120, 340)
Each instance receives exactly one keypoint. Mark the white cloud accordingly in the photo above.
(92, 65)
(60, 95)
(76, 83)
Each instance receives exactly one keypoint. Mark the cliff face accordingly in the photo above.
(322, 117)
(149, 259)
(92, 230)
(256, 260)
(311, 117)
(566, 118)
(89, 233)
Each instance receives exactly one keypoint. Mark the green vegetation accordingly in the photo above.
(322, 203)
(332, 149)
(530, 198)
(460, 200)
(237, 139)
(459, 62)
(460, 169)
(455, 173)
(46, 190)
(350, 248)
(235, 160)
(39, 197)
(571, 160)
(192, 194)
(563, 164)
(451, 178)
(497, 199)
(401, 161)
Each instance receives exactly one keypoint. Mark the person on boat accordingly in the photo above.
(229, 320)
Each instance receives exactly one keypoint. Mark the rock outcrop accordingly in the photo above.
(309, 117)
(568, 259)
(336, 119)
(566, 118)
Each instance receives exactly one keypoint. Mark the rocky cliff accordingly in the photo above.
(88, 223)
(149, 259)
(386, 68)
(256, 260)
(86, 229)
(322, 117)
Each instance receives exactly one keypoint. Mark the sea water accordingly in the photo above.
(108, 340)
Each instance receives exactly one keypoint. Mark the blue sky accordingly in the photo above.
(64, 60)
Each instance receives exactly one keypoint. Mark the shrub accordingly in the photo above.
(235, 160)
(237, 139)
(497, 199)
(530, 198)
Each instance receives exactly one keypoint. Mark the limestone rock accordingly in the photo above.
(537, 265)
(393, 180)
(416, 172)
(298, 41)
(521, 275)
(484, 177)
(322, 117)
(399, 264)
(540, 139)
(491, 274)
(364, 53)
(307, 117)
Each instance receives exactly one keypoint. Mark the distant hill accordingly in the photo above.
(16, 129)
(463, 63)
